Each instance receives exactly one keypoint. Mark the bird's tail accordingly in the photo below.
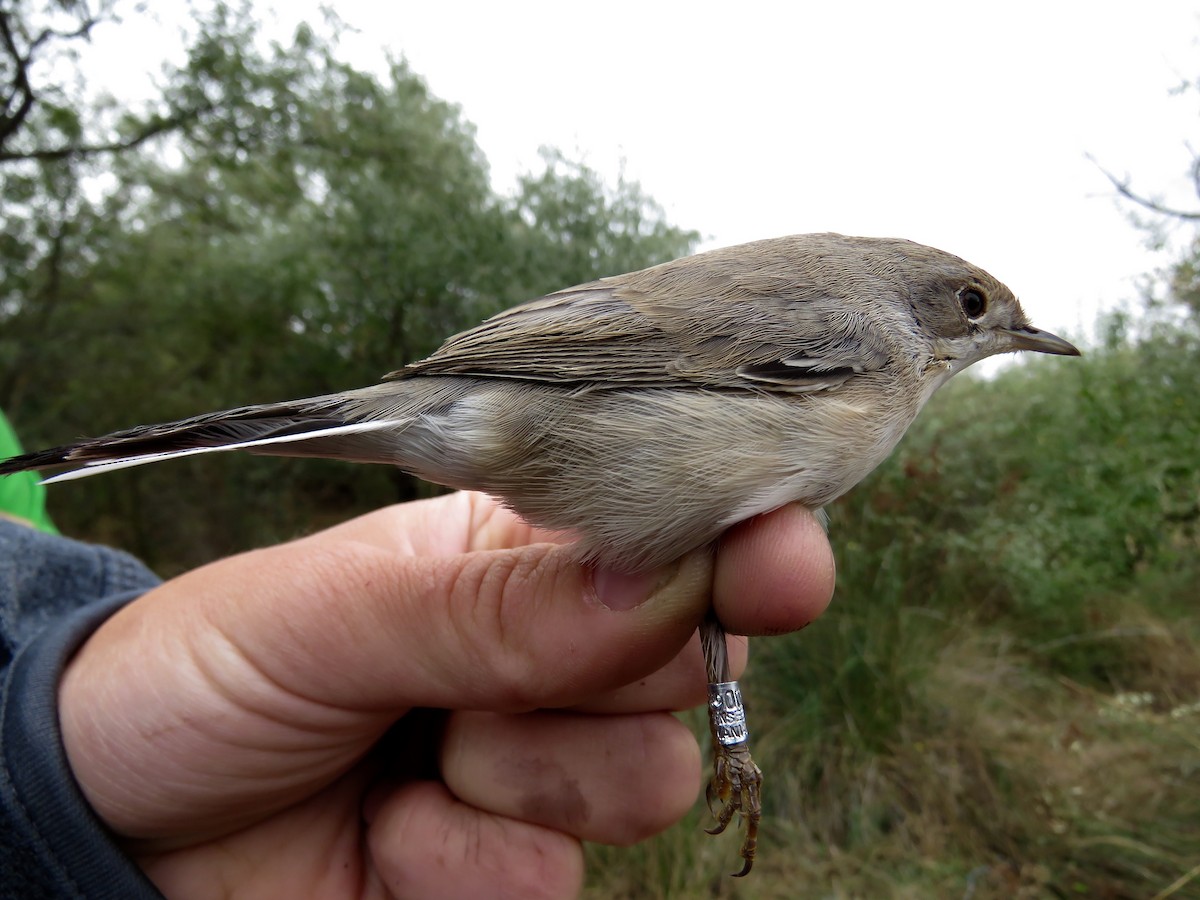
(314, 427)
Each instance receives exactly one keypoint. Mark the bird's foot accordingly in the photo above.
(736, 783)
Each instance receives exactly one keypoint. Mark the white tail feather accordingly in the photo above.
(98, 466)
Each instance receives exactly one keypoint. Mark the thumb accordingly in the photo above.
(500, 630)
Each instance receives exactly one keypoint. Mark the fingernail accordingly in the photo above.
(622, 591)
(675, 590)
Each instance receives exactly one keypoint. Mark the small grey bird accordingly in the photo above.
(649, 412)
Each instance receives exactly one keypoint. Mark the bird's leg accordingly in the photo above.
(736, 781)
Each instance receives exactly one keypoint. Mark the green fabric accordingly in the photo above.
(21, 495)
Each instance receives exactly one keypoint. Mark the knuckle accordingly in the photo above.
(495, 600)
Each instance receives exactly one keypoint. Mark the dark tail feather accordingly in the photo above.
(228, 430)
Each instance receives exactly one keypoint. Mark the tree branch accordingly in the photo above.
(82, 151)
(20, 86)
(11, 123)
(84, 31)
(1123, 188)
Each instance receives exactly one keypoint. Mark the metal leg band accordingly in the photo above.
(727, 714)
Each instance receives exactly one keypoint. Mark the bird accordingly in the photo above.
(647, 413)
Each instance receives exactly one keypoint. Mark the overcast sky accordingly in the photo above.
(956, 124)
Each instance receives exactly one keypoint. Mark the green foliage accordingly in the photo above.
(579, 229)
(299, 226)
(1035, 496)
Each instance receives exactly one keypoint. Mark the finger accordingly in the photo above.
(425, 843)
(609, 779)
(680, 684)
(774, 573)
(503, 630)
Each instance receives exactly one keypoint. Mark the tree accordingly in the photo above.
(305, 227)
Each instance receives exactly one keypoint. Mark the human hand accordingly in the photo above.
(247, 727)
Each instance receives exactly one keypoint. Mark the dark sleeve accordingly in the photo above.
(54, 593)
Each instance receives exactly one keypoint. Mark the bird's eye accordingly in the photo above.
(973, 302)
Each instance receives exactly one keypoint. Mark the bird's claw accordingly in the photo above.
(736, 784)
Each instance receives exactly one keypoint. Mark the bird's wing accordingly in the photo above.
(618, 333)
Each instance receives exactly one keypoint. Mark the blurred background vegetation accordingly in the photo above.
(277, 224)
(1004, 698)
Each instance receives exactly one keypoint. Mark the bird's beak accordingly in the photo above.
(1030, 338)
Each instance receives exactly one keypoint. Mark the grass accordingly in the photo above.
(998, 781)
